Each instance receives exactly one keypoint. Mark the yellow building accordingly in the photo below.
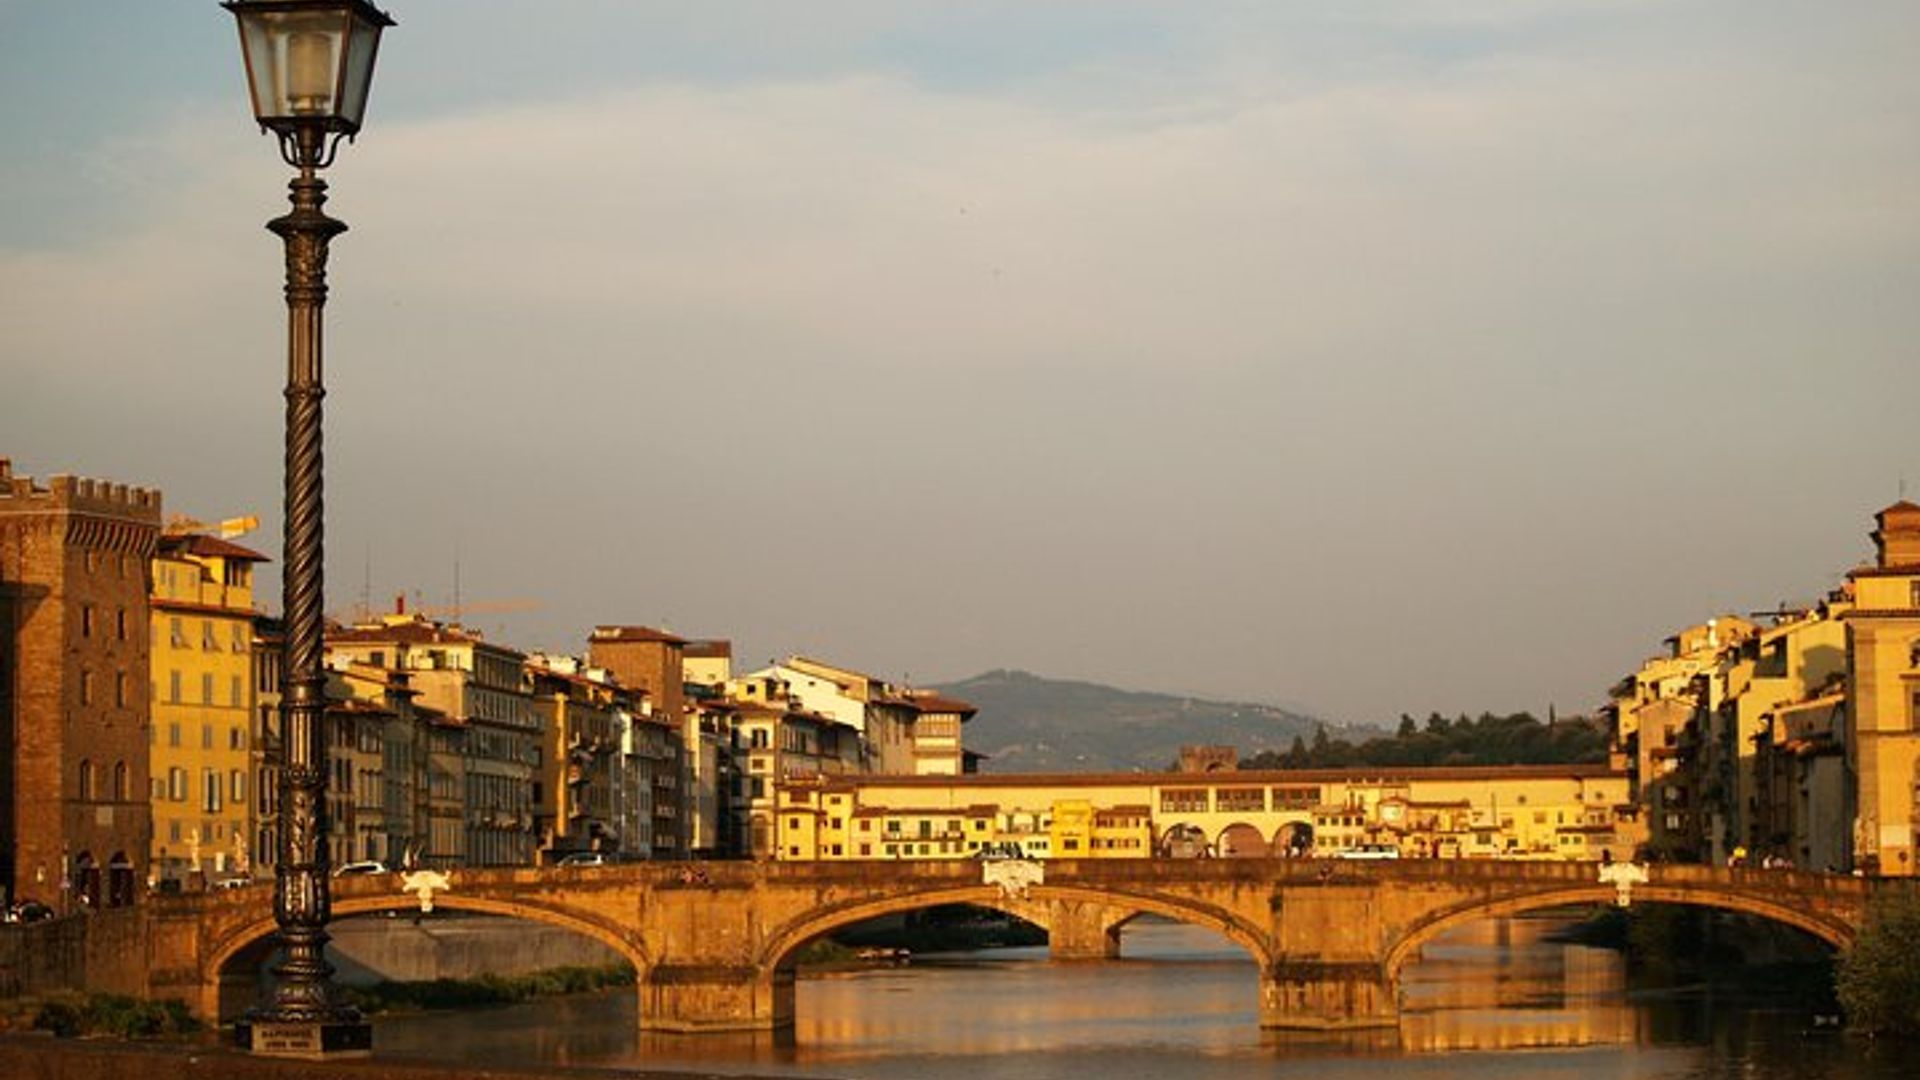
(202, 692)
(1883, 685)
(1535, 812)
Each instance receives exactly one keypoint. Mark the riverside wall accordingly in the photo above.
(30, 1057)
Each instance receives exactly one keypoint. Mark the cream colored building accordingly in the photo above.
(479, 687)
(1883, 686)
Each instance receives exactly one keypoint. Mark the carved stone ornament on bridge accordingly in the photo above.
(1014, 876)
(424, 883)
(1623, 877)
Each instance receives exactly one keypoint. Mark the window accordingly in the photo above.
(173, 733)
(173, 689)
(176, 634)
(233, 691)
(1294, 798)
(209, 791)
(234, 738)
(86, 780)
(177, 786)
(237, 786)
(86, 620)
(1183, 800)
(120, 689)
(207, 642)
(206, 688)
(206, 736)
(86, 687)
(1242, 799)
(120, 624)
(120, 781)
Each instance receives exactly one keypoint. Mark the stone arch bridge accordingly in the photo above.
(714, 949)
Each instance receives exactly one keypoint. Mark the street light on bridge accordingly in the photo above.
(309, 64)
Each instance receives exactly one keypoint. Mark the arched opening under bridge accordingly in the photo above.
(1166, 971)
(383, 949)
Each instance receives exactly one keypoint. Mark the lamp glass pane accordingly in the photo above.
(294, 60)
(362, 43)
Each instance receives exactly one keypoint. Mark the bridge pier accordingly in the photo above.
(1327, 996)
(1079, 930)
(692, 998)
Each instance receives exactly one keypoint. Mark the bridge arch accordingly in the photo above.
(1399, 952)
(1038, 907)
(252, 933)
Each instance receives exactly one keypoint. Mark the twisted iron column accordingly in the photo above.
(304, 1015)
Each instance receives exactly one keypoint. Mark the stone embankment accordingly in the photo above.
(26, 1057)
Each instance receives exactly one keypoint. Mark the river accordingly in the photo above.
(1493, 1000)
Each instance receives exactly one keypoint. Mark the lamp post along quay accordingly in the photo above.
(309, 64)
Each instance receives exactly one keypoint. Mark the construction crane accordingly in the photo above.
(226, 529)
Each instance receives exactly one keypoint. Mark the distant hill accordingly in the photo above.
(1032, 724)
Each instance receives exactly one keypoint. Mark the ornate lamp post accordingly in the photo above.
(309, 63)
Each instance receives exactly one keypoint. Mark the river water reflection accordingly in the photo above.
(1493, 1000)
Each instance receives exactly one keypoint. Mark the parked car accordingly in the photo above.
(363, 866)
(232, 883)
(28, 911)
(1371, 851)
(582, 858)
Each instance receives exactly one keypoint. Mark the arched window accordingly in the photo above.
(86, 780)
(120, 781)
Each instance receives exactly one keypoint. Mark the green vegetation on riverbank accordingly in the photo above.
(1879, 981)
(484, 990)
(68, 1015)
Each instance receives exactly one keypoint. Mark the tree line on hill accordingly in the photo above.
(1514, 739)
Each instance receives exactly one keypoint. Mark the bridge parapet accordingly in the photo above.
(713, 942)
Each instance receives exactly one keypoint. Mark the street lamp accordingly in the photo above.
(309, 63)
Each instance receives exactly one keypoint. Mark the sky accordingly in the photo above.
(1367, 357)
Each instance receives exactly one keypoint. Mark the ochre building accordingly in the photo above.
(1526, 812)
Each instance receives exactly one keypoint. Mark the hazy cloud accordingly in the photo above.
(1365, 358)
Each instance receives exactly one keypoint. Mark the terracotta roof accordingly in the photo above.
(1244, 777)
(928, 701)
(635, 633)
(414, 632)
(211, 547)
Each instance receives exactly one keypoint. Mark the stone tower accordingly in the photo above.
(74, 566)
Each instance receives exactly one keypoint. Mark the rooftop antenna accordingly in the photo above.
(366, 585)
(456, 589)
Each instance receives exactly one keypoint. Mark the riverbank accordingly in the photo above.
(26, 1057)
